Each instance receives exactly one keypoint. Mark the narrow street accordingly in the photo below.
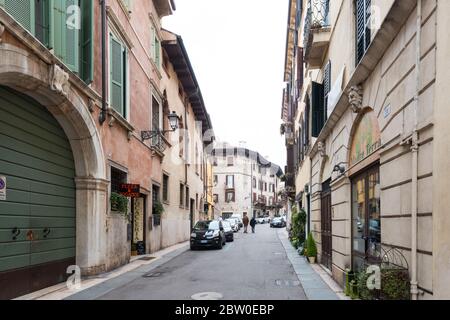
(254, 266)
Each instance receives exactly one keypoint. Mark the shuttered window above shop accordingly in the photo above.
(66, 26)
(118, 79)
(363, 35)
(317, 106)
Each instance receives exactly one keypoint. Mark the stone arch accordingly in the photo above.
(26, 73)
(368, 118)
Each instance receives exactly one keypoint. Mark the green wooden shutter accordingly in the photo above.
(87, 41)
(58, 35)
(317, 108)
(73, 36)
(65, 37)
(22, 11)
(117, 75)
(157, 52)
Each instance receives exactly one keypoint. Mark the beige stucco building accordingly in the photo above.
(369, 78)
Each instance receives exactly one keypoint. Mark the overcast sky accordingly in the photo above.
(237, 48)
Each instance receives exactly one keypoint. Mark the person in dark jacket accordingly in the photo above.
(253, 224)
(245, 222)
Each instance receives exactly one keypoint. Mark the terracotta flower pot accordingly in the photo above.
(312, 260)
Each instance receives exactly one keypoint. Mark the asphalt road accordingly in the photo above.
(253, 267)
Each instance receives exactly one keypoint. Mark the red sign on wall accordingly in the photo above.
(130, 190)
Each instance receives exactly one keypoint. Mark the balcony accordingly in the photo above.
(317, 32)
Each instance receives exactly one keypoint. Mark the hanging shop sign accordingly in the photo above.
(366, 139)
(2, 188)
(130, 190)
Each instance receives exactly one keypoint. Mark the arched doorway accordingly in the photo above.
(365, 144)
(38, 213)
(34, 80)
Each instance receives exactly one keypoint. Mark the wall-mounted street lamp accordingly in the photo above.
(174, 120)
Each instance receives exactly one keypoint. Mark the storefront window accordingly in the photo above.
(366, 223)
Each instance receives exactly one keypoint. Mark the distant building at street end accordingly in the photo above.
(244, 182)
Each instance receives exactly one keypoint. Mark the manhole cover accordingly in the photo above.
(153, 275)
(147, 258)
(207, 296)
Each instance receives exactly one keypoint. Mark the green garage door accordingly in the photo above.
(37, 218)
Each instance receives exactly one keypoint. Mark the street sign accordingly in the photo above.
(130, 190)
(2, 188)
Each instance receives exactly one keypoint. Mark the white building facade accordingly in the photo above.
(244, 182)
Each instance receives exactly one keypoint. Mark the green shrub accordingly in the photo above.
(311, 246)
(119, 203)
(158, 208)
(395, 284)
(364, 292)
(298, 223)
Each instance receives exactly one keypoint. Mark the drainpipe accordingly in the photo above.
(415, 152)
(102, 116)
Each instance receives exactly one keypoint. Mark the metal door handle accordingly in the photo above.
(46, 232)
(16, 232)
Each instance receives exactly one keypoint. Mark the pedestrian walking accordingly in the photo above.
(245, 222)
(253, 224)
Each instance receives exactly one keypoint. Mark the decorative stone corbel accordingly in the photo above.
(91, 105)
(355, 98)
(321, 149)
(59, 80)
(2, 31)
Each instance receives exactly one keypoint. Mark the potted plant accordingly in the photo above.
(158, 208)
(133, 249)
(311, 249)
(119, 203)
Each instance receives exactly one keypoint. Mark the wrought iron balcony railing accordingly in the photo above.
(317, 17)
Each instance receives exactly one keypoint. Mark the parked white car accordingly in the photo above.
(260, 220)
(234, 224)
(239, 219)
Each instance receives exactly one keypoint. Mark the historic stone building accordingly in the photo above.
(81, 85)
(244, 182)
(371, 98)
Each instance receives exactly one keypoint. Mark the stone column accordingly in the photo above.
(91, 202)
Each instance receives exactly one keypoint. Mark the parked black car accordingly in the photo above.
(210, 234)
(277, 223)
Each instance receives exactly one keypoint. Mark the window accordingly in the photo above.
(165, 188)
(156, 48)
(155, 200)
(117, 178)
(216, 179)
(187, 198)
(317, 108)
(156, 114)
(230, 161)
(215, 162)
(254, 197)
(363, 34)
(229, 196)
(57, 27)
(254, 183)
(326, 89)
(181, 195)
(216, 198)
(197, 162)
(118, 75)
(230, 182)
(265, 186)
